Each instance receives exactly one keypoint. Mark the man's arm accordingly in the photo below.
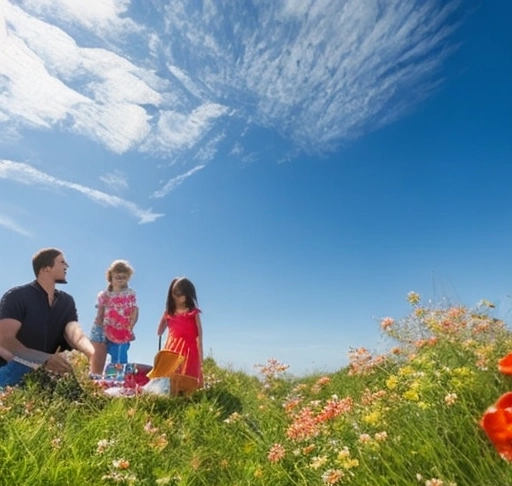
(8, 331)
(76, 338)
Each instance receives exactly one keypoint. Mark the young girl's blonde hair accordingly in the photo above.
(118, 266)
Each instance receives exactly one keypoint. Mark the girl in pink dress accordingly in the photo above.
(182, 319)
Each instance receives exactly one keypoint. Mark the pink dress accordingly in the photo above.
(118, 308)
(182, 339)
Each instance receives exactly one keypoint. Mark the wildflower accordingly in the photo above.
(345, 460)
(56, 443)
(102, 445)
(291, 404)
(497, 423)
(486, 303)
(149, 428)
(362, 362)
(272, 368)
(306, 450)
(413, 298)
(450, 399)
(386, 323)
(343, 454)
(381, 436)
(303, 426)
(195, 463)
(234, 417)
(320, 383)
(505, 364)
(350, 463)
(164, 480)
(276, 453)
(332, 476)
(411, 395)
(434, 482)
(121, 464)
(318, 461)
(160, 442)
(406, 371)
(324, 380)
(364, 438)
(372, 418)
(368, 397)
(335, 407)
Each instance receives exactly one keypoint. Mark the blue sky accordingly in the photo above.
(305, 164)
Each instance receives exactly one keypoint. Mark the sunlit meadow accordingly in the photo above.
(409, 416)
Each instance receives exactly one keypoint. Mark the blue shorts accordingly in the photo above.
(97, 335)
(118, 352)
(12, 373)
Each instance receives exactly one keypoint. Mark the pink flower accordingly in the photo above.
(276, 453)
(332, 476)
(386, 323)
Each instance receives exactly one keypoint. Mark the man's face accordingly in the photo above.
(59, 269)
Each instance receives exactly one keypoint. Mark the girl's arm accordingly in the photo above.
(100, 314)
(162, 325)
(199, 336)
(134, 317)
(98, 320)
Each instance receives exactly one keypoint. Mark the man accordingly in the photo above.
(37, 322)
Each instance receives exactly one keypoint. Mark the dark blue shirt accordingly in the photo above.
(42, 325)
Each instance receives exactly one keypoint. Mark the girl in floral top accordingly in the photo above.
(116, 317)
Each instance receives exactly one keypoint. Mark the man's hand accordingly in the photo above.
(5, 354)
(58, 363)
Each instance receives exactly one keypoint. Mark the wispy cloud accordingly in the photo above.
(177, 131)
(176, 181)
(95, 92)
(116, 181)
(104, 17)
(11, 225)
(318, 71)
(26, 174)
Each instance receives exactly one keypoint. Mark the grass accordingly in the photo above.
(407, 417)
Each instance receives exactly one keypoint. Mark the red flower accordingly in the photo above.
(505, 364)
(497, 423)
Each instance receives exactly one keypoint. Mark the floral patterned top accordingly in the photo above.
(117, 311)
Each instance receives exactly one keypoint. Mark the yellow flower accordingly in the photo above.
(392, 382)
(406, 371)
(411, 395)
(318, 461)
(372, 418)
(343, 454)
(351, 463)
(413, 298)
